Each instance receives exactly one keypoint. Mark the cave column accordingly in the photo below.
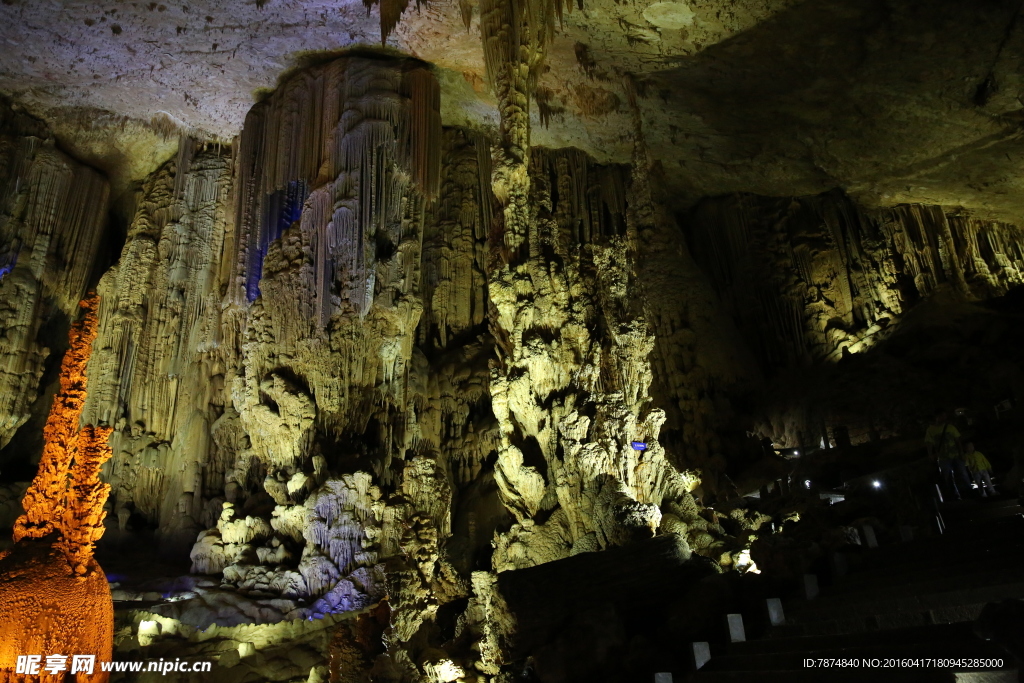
(570, 385)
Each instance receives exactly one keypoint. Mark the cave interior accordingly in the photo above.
(485, 341)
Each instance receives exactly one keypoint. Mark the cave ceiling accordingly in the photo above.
(892, 100)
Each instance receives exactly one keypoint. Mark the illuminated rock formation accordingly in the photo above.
(824, 277)
(155, 375)
(54, 598)
(817, 279)
(46, 609)
(409, 356)
(358, 364)
(53, 210)
(66, 497)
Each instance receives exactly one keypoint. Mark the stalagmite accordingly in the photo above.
(74, 512)
(54, 598)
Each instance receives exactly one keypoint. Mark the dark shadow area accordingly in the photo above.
(868, 94)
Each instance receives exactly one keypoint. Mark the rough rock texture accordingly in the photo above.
(154, 375)
(46, 608)
(404, 356)
(262, 372)
(894, 100)
(813, 279)
(326, 275)
(52, 210)
(196, 66)
(54, 597)
(816, 277)
(295, 651)
(561, 304)
(66, 499)
(570, 383)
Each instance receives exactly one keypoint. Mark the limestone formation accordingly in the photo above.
(52, 218)
(155, 376)
(413, 389)
(66, 499)
(826, 278)
(54, 597)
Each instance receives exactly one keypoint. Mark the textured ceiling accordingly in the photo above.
(882, 98)
(879, 97)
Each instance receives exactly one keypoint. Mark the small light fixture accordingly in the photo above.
(796, 452)
(807, 483)
(877, 484)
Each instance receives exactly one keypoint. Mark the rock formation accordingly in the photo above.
(53, 213)
(155, 376)
(396, 391)
(54, 597)
(827, 278)
(818, 279)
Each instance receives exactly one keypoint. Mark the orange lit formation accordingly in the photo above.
(54, 597)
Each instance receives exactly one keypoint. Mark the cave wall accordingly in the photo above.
(812, 278)
(361, 362)
(812, 281)
(52, 215)
(334, 381)
(156, 374)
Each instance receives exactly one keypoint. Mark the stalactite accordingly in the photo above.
(157, 373)
(453, 278)
(360, 138)
(49, 240)
(325, 127)
(815, 277)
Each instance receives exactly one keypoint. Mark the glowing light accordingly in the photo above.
(148, 632)
(877, 484)
(745, 564)
(807, 483)
(796, 452)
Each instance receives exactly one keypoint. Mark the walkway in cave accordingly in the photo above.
(915, 601)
